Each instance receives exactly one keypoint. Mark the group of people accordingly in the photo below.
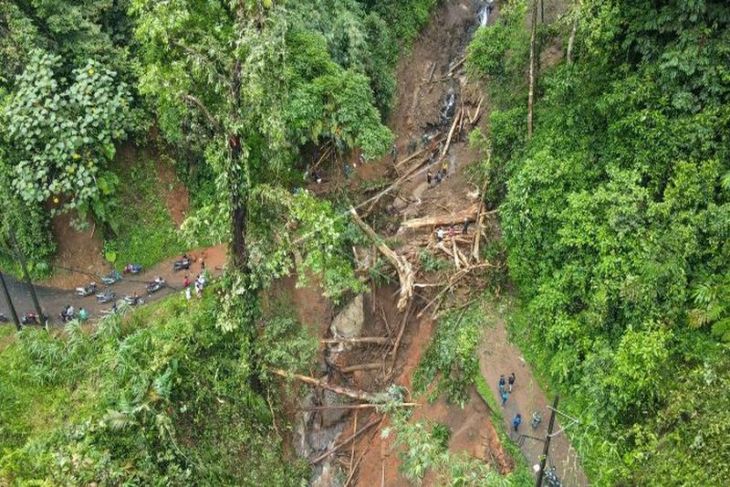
(505, 386)
(440, 175)
(69, 313)
(451, 232)
(198, 285)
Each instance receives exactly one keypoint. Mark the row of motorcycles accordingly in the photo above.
(107, 295)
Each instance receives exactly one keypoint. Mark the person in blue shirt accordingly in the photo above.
(517, 421)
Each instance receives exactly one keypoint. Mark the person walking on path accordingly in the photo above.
(501, 383)
(505, 396)
(511, 381)
(517, 421)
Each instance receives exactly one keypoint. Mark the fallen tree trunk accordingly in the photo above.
(366, 405)
(344, 391)
(355, 368)
(402, 266)
(363, 340)
(441, 220)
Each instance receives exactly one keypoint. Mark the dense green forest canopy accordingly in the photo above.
(616, 218)
(82, 77)
(240, 90)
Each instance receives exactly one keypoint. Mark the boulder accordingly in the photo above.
(349, 323)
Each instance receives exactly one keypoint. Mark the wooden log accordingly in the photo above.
(366, 405)
(361, 340)
(441, 220)
(451, 133)
(455, 66)
(344, 391)
(355, 368)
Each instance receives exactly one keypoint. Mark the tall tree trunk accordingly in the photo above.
(13, 313)
(571, 41)
(26, 275)
(237, 183)
(533, 69)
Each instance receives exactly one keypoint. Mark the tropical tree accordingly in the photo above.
(61, 133)
(262, 84)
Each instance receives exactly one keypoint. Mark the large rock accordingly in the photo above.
(349, 323)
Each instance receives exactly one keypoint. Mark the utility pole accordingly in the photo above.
(546, 448)
(21, 259)
(6, 292)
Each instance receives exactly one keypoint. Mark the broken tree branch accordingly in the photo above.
(394, 352)
(533, 69)
(215, 124)
(403, 267)
(362, 455)
(456, 65)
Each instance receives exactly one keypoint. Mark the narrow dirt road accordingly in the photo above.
(497, 356)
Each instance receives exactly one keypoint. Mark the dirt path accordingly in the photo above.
(53, 300)
(497, 356)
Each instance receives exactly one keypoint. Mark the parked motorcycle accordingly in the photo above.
(181, 264)
(133, 300)
(156, 285)
(66, 316)
(105, 297)
(536, 419)
(30, 319)
(133, 269)
(551, 478)
(111, 278)
(3, 318)
(86, 290)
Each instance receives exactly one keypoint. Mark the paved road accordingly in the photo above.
(53, 300)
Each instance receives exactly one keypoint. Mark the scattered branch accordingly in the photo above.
(215, 124)
(346, 441)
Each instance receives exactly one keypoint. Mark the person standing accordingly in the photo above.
(517, 421)
(511, 381)
(501, 383)
(505, 396)
(188, 293)
(465, 228)
(429, 177)
(186, 282)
